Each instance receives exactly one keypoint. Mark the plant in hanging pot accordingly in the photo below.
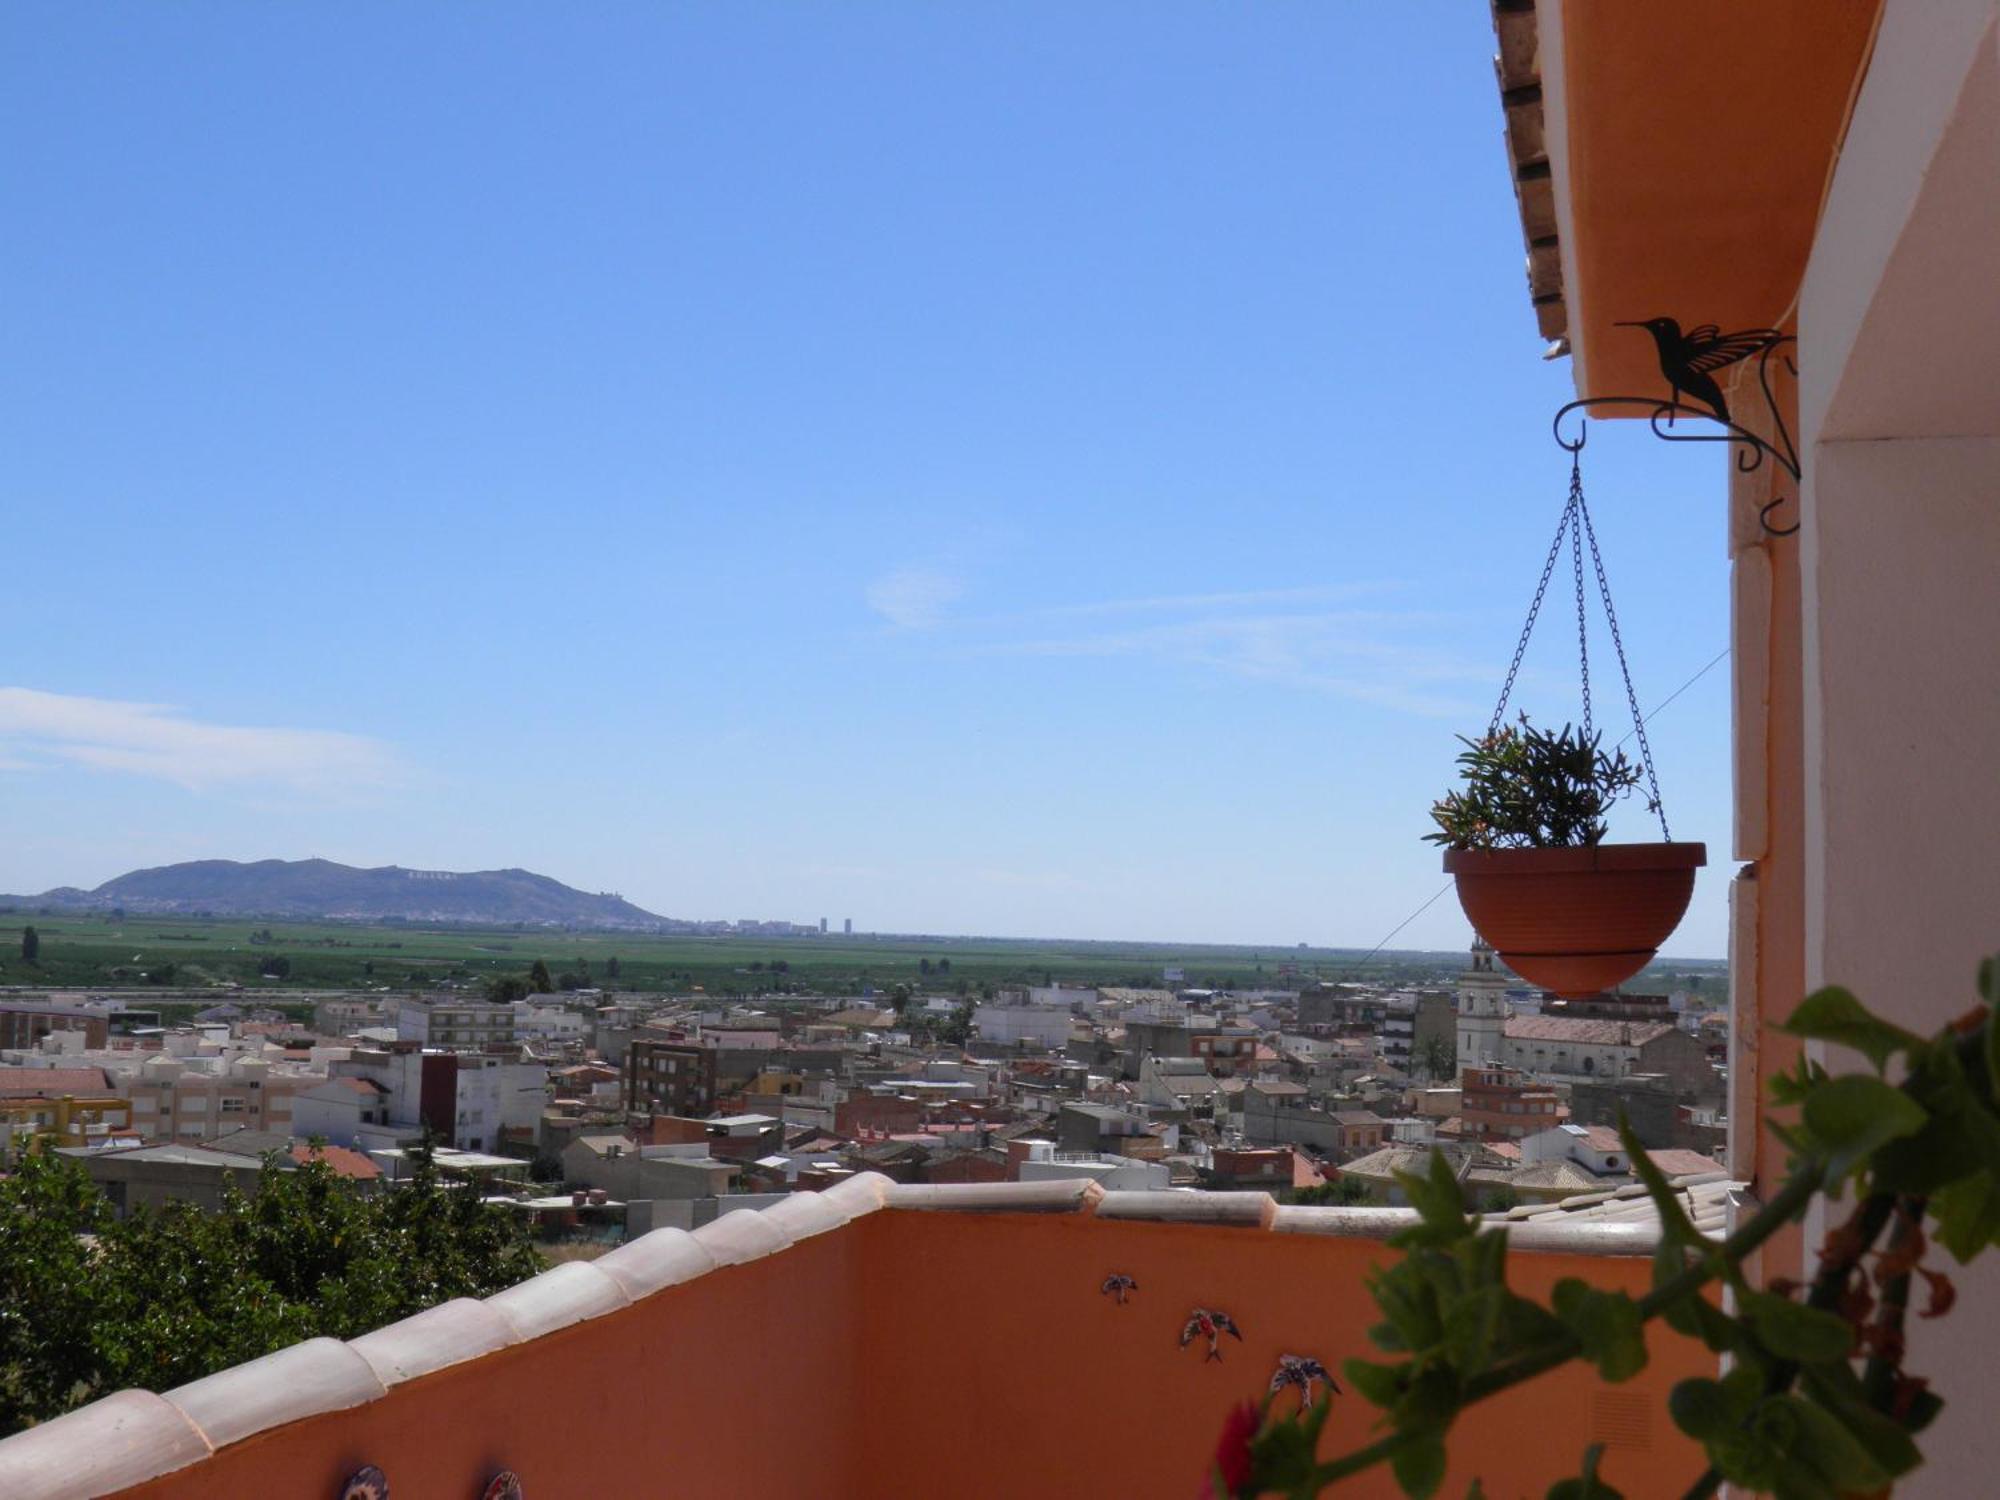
(1524, 840)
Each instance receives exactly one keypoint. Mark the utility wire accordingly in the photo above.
(1675, 694)
(1645, 719)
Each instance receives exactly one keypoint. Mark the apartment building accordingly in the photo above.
(455, 1021)
(190, 1099)
(669, 1074)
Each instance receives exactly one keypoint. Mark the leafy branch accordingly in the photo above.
(1529, 788)
(1793, 1416)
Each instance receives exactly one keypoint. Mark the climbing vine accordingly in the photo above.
(1816, 1403)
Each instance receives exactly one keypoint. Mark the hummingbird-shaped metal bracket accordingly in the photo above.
(1689, 359)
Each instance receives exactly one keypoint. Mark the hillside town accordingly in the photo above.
(599, 1117)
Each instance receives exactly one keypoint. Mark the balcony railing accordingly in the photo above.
(622, 1374)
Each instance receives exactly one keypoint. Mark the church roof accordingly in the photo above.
(1579, 1031)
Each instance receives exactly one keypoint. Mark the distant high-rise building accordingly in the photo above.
(847, 926)
(822, 924)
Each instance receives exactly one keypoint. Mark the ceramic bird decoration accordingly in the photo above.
(1118, 1286)
(1205, 1323)
(1303, 1372)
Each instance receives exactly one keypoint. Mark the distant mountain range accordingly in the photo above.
(319, 888)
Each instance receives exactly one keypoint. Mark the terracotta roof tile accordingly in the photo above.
(1579, 1031)
(345, 1163)
(50, 1083)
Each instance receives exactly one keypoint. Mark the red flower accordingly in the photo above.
(1232, 1450)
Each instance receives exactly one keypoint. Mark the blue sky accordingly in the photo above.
(1041, 469)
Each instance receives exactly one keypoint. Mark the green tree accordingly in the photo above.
(31, 944)
(1341, 1192)
(47, 1289)
(505, 989)
(169, 1295)
(538, 978)
(277, 966)
(1434, 1058)
(612, 968)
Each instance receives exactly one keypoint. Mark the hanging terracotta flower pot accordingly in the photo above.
(1524, 831)
(1576, 921)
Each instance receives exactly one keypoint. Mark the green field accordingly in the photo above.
(89, 951)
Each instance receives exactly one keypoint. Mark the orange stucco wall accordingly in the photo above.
(1021, 1379)
(1771, 773)
(1697, 136)
(944, 1354)
(735, 1384)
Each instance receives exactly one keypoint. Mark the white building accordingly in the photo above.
(550, 1023)
(1482, 1011)
(454, 1021)
(1112, 1173)
(390, 1095)
(1061, 996)
(1011, 1025)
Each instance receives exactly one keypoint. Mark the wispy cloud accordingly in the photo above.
(913, 598)
(1310, 638)
(1357, 654)
(156, 740)
(1197, 603)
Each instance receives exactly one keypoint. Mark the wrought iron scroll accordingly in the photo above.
(1751, 450)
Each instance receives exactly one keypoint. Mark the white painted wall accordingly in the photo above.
(1900, 562)
(1005, 1025)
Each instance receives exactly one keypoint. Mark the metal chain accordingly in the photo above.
(1576, 566)
(1631, 696)
(1534, 609)
(1575, 525)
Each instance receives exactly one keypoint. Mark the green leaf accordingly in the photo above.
(1437, 1198)
(1850, 1116)
(1793, 1331)
(1923, 1410)
(1834, 1015)
(1832, 1450)
(1588, 1486)
(1606, 1324)
(1837, 1388)
(1961, 1137)
(1701, 1408)
(1967, 1216)
(1283, 1454)
(1430, 1400)
(1695, 1316)
(1379, 1385)
(1471, 1325)
(1675, 1226)
(1419, 1466)
(1410, 1306)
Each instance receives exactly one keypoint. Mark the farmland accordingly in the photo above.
(181, 953)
